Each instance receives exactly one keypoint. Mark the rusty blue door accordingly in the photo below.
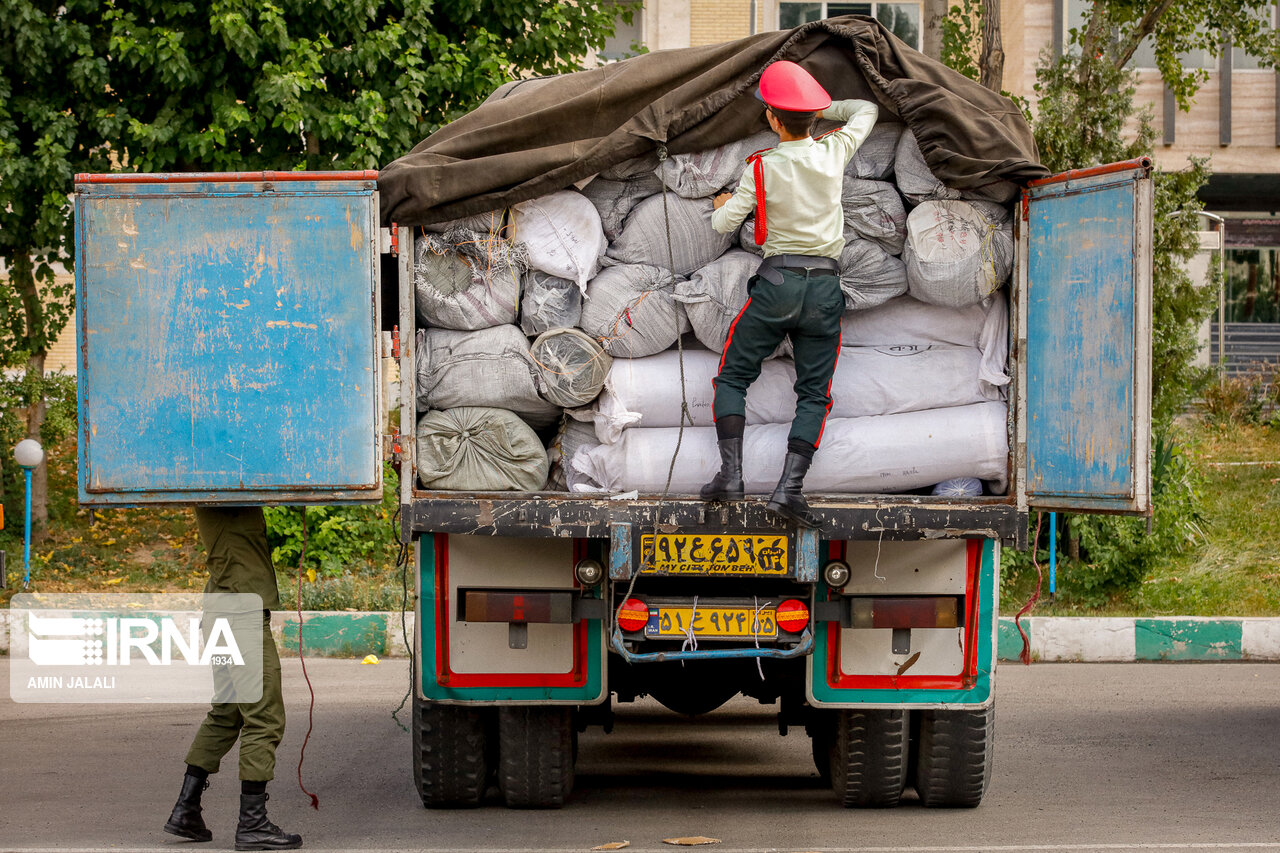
(1084, 341)
(227, 329)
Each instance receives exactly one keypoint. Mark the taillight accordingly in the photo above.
(792, 616)
(633, 615)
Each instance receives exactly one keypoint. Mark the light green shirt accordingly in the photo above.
(802, 182)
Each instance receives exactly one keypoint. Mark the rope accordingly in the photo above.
(402, 562)
(1025, 654)
(684, 404)
(302, 756)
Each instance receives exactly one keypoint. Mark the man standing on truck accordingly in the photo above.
(794, 190)
(239, 558)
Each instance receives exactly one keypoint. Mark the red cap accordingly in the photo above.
(788, 87)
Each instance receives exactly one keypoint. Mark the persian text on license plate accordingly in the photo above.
(738, 554)
(713, 622)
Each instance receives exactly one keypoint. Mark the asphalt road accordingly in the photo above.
(1089, 757)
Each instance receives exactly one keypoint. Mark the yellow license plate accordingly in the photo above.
(734, 622)
(738, 554)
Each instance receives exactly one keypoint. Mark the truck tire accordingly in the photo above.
(869, 757)
(954, 765)
(450, 768)
(535, 755)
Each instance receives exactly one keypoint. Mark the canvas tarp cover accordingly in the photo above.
(544, 135)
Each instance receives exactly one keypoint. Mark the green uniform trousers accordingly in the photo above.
(235, 539)
(807, 306)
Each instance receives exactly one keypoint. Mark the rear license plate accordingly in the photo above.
(727, 622)
(738, 554)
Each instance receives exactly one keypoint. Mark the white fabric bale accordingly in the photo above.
(465, 281)
(873, 210)
(694, 243)
(714, 295)
(912, 175)
(614, 200)
(705, 173)
(549, 302)
(645, 392)
(572, 364)
(881, 454)
(477, 449)
(958, 252)
(489, 367)
(904, 320)
(631, 310)
(563, 233)
(959, 487)
(869, 275)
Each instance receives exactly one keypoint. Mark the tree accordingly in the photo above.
(54, 120)
(225, 85)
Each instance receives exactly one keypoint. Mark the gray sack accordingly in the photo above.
(466, 281)
(631, 311)
(549, 302)
(490, 367)
(476, 449)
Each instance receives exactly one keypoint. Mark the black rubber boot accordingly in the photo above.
(255, 832)
(727, 485)
(186, 820)
(787, 499)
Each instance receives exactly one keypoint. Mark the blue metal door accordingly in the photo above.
(228, 338)
(1083, 342)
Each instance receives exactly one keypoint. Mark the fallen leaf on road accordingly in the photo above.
(311, 575)
(370, 659)
(613, 845)
(691, 841)
(114, 581)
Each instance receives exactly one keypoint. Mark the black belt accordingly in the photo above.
(771, 267)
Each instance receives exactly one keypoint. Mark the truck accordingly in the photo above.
(230, 332)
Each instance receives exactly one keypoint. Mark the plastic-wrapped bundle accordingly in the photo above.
(572, 436)
(869, 275)
(958, 252)
(476, 449)
(549, 302)
(911, 173)
(573, 366)
(694, 243)
(705, 173)
(563, 233)
(466, 281)
(490, 367)
(630, 309)
(873, 210)
(881, 454)
(714, 295)
(615, 199)
(645, 392)
(984, 325)
(959, 487)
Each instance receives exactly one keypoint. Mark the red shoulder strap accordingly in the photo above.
(762, 225)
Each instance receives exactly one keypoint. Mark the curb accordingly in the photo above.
(1076, 639)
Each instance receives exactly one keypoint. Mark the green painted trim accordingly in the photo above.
(1187, 639)
(1009, 643)
(337, 634)
(591, 692)
(980, 694)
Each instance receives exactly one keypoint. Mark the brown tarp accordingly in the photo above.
(537, 136)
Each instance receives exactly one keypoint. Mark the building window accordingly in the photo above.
(1144, 58)
(1241, 61)
(627, 39)
(901, 19)
(1253, 284)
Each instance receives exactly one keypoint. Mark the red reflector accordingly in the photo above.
(923, 612)
(793, 616)
(634, 615)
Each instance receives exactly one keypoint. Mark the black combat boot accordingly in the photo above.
(727, 485)
(186, 820)
(256, 832)
(787, 499)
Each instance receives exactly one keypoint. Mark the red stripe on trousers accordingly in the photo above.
(823, 428)
(728, 340)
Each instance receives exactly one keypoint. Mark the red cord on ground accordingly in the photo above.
(315, 801)
(1025, 655)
